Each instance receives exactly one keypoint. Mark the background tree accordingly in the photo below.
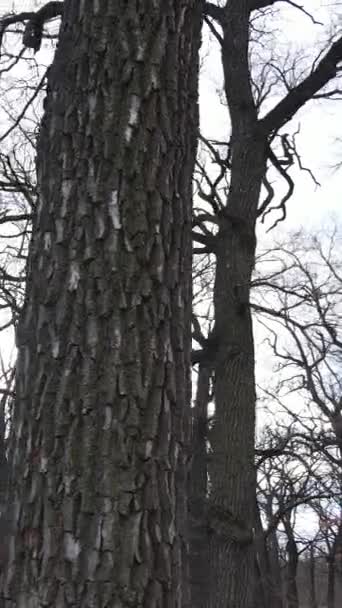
(227, 231)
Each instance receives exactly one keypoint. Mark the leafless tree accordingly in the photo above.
(235, 194)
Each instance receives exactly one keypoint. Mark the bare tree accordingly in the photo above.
(227, 231)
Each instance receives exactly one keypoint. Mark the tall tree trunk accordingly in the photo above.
(101, 418)
(199, 576)
(232, 470)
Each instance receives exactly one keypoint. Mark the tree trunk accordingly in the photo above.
(291, 567)
(263, 570)
(199, 579)
(232, 470)
(269, 585)
(313, 596)
(101, 419)
(276, 574)
(331, 582)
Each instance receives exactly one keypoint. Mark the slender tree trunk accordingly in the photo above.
(263, 571)
(232, 470)
(101, 419)
(338, 563)
(199, 576)
(269, 585)
(331, 582)
(277, 600)
(313, 596)
(3, 483)
(291, 568)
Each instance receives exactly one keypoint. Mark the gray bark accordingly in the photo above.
(100, 436)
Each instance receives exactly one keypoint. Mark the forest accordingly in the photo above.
(170, 304)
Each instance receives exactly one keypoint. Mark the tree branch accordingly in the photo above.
(215, 12)
(325, 71)
(35, 22)
(259, 4)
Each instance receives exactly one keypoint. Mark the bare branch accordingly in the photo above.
(35, 22)
(325, 71)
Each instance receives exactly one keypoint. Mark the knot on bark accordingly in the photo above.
(33, 34)
(228, 526)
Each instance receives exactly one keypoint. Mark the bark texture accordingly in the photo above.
(100, 432)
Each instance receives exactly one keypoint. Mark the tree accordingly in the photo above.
(301, 301)
(100, 431)
(242, 162)
(302, 304)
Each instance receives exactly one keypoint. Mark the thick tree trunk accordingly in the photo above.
(232, 470)
(199, 539)
(101, 419)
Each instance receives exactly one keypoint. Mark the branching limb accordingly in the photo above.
(33, 33)
(207, 240)
(279, 165)
(326, 70)
(259, 4)
(214, 12)
(25, 108)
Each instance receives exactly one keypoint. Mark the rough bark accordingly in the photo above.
(198, 545)
(101, 418)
